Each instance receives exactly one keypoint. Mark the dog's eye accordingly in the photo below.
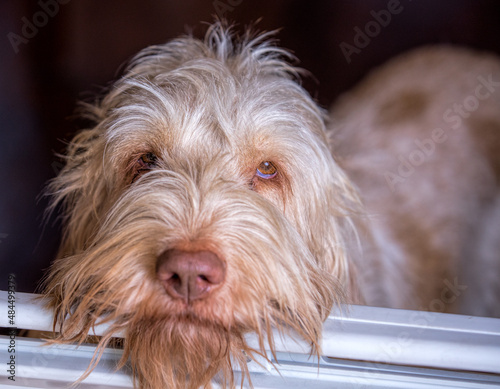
(143, 164)
(147, 161)
(267, 170)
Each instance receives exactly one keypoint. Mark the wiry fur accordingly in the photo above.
(211, 111)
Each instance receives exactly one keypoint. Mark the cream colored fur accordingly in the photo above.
(171, 164)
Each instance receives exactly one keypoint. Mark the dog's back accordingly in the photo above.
(420, 137)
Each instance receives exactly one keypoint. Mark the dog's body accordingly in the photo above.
(420, 138)
(206, 204)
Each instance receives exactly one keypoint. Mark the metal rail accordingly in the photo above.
(363, 347)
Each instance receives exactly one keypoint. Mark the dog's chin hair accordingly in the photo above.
(172, 347)
(183, 350)
(185, 353)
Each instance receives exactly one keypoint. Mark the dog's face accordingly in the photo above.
(203, 205)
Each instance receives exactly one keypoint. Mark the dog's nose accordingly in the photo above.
(188, 275)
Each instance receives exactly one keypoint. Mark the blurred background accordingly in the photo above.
(54, 53)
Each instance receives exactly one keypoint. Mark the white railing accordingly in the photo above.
(363, 347)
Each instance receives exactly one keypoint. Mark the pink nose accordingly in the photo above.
(188, 275)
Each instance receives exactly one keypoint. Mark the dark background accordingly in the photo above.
(85, 42)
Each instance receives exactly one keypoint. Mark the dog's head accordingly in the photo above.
(203, 205)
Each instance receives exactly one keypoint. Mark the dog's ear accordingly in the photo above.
(336, 212)
(343, 224)
(80, 191)
(338, 239)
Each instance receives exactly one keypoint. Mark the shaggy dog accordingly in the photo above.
(205, 203)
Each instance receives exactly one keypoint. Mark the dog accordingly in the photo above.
(209, 200)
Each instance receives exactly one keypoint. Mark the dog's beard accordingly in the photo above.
(183, 352)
